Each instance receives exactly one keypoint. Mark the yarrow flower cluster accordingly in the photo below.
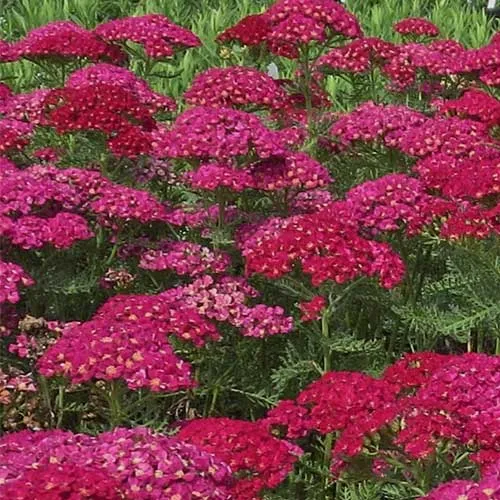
(213, 176)
(157, 34)
(14, 134)
(12, 383)
(423, 400)
(416, 26)
(218, 133)
(289, 23)
(103, 350)
(257, 459)
(134, 463)
(312, 309)
(60, 231)
(29, 107)
(57, 482)
(474, 104)
(392, 200)
(327, 245)
(488, 488)
(184, 258)
(65, 39)
(358, 56)
(295, 171)
(370, 122)
(112, 109)
(12, 277)
(123, 78)
(236, 87)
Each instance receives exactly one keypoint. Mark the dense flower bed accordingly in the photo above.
(249, 289)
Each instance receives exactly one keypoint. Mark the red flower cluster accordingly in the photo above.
(60, 482)
(312, 309)
(159, 36)
(326, 243)
(474, 104)
(287, 24)
(257, 459)
(108, 108)
(334, 403)
(458, 403)
(236, 86)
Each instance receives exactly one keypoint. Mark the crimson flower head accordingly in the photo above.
(251, 30)
(236, 86)
(257, 459)
(288, 24)
(158, 35)
(68, 40)
(62, 481)
(312, 309)
(416, 26)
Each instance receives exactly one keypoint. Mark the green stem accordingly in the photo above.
(114, 399)
(307, 79)
(327, 457)
(325, 332)
(46, 397)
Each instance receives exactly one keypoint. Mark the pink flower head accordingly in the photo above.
(103, 350)
(60, 231)
(394, 200)
(416, 26)
(218, 133)
(14, 134)
(65, 39)
(159, 36)
(121, 77)
(295, 171)
(134, 463)
(236, 87)
(28, 107)
(12, 276)
(358, 56)
(212, 176)
(184, 258)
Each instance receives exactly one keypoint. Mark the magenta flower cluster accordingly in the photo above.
(124, 463)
